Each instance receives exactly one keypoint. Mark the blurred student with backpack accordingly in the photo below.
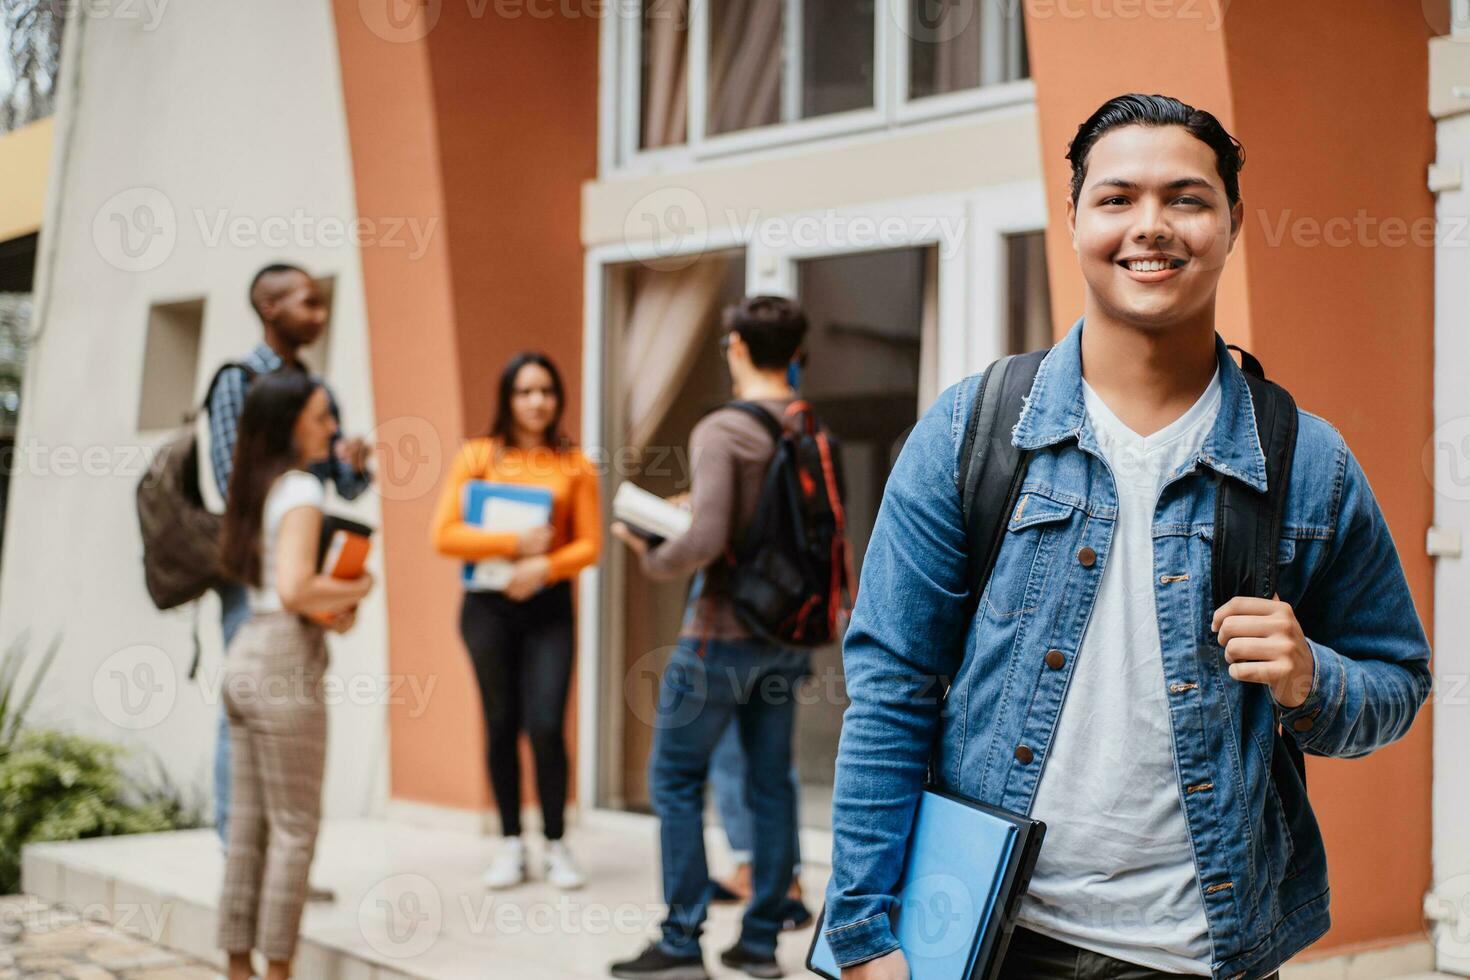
(521, 508)
(273, 684)
(293, 314)
(759, 464)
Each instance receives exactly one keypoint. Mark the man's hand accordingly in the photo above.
(680, 499)
(534, 541)
(889, 966)
(355, 453)
(621, 531)
(527, 578)
(1264, 644)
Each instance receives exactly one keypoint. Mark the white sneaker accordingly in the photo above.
(509, 867)
(561, 868)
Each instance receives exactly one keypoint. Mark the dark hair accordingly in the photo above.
(264, 449)
(502, 427)
(270, 270)
(1158, 110)
(771, 326)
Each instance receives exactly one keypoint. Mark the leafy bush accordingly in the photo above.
(59, 786)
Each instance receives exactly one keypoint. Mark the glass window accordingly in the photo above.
(837, 56)
(956, 45)
(760, 74)
(1028, 294)
(663, 95)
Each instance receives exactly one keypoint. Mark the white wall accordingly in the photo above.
(210, 110)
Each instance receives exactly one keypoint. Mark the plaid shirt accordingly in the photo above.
(224, 418)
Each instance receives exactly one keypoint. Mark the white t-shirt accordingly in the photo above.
(1116, 874)
(292, 489)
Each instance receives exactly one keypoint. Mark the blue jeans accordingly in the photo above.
(727, 779)
(234, 611)
(750, 684)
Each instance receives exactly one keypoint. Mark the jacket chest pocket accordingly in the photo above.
(1037, 528)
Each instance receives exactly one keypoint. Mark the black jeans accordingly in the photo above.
(522, 653)
(1032, 956)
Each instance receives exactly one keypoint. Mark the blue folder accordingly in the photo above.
(475, 493)
(967, 867)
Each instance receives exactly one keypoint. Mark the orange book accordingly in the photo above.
(343, 552)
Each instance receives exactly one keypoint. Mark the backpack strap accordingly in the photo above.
(250, 374)
(755, 411)
(1248, 523)
(991, 468)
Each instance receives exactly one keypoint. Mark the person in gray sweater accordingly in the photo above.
(720, 674)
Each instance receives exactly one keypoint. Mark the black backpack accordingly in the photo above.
(791, 576)
(1247, 522)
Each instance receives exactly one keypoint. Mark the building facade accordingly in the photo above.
(596, 180)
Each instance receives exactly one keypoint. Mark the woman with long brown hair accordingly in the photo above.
(519, 631)
(273, 675)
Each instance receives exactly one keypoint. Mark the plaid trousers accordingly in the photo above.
(278, 740)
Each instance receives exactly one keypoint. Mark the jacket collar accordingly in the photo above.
(1055, 411)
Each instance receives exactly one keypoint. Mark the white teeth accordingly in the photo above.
(1149, 265)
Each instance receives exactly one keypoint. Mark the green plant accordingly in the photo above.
(15, 702)
(59, 786)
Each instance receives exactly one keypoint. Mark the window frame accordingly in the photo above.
(622, 102)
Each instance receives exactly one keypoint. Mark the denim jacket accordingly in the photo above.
(1261, 865)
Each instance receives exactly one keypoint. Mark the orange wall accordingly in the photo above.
(487, 124)
(1329, 101)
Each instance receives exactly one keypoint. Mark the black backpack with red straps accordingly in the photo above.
(791, 577)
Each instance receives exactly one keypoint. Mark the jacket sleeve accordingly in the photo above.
(1371, 657)
(903, 644)
(450, 534)
(585, 541)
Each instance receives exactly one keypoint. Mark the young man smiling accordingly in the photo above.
(1095, 687)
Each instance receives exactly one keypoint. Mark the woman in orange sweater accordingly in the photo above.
(520, 634)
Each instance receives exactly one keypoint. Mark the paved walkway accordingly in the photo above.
(46, 943)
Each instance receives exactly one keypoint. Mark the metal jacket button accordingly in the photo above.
(1023, 755)
(1055, 659)
(1087, 557)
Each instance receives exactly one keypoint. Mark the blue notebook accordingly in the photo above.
(967, 867)
(506, 507)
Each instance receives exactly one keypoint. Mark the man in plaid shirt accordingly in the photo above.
(293, 314)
